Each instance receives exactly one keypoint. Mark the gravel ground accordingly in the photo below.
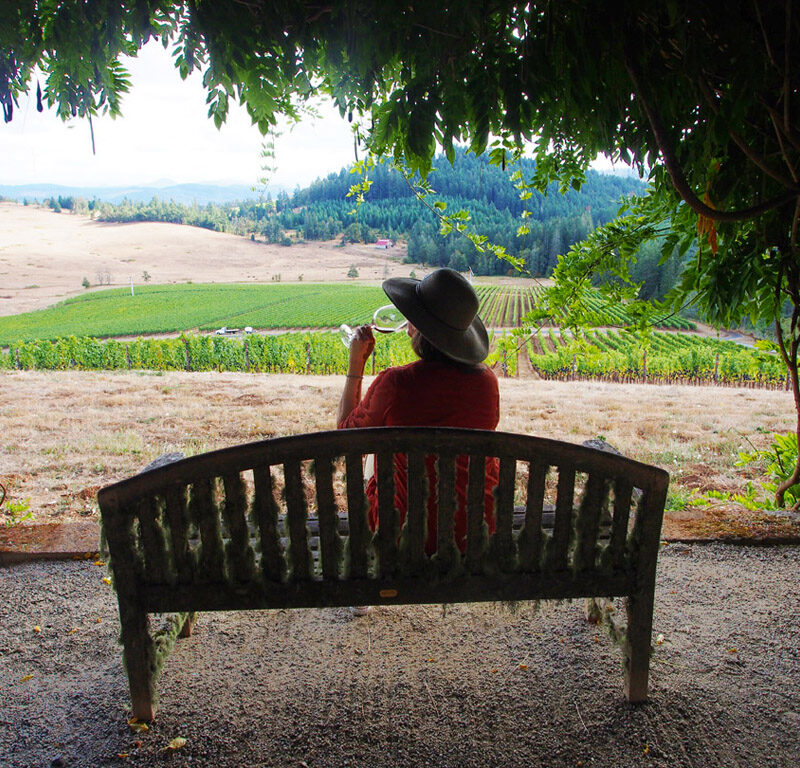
(476, 685)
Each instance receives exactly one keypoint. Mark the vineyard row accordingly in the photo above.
(310, 353)
(670, 358)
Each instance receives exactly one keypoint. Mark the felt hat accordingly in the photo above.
(443, 307)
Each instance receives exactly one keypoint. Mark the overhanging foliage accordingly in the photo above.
(702, 96)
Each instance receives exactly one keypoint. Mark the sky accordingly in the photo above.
(165, 136)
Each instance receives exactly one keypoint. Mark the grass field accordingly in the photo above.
(174, 308)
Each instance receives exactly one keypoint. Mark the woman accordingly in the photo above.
(447, 387)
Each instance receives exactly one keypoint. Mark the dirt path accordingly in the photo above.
(478, 686)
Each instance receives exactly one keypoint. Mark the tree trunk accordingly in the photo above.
(789, 354)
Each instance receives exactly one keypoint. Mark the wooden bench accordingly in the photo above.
(282, 524)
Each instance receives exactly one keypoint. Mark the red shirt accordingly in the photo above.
(431, 394)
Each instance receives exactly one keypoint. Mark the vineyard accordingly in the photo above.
(668, 358)
(182, 307)
(504, 307)
(176, 308)
(308, 353)
(66, 336)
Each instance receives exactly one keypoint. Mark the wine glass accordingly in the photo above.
(387, 319)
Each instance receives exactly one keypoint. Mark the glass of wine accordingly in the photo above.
(387, 319)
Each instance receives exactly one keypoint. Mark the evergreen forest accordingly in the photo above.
(390, 209)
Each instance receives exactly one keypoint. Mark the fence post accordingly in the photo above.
(246, 356)
(308, 359)
(716, 368)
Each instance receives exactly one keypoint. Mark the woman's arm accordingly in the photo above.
(360, 349)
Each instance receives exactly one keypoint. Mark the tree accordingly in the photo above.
(352, 272)
(701, 96)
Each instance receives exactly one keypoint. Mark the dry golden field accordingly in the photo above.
(65, 434)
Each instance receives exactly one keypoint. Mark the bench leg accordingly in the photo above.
(637, 646)
(188, 624)
(138, 662)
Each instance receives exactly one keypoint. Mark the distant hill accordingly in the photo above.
(185, 194)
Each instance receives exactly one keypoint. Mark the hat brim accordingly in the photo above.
(469, 346)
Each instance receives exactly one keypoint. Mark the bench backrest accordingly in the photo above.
(282, 523)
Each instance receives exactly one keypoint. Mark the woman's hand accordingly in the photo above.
(360, 349)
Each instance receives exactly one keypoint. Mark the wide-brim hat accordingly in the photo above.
(443, 307)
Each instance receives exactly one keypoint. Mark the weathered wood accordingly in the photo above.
(615, 552)
(403, 590)
(503, 547)
(178, 544)
(265, 511)
(240, 557)
(296, 513)
(644, 544)
(388, 517)
(327, 515)
(138, 659)
(188, 624)
(154, 545)
(447, 555)
(588, 523)
(562, 528)
(204, 509)
(530, 538)
(476, 514)
(359, 538)
(177, 515)
(416, 526)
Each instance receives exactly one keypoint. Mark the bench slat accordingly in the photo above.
(477, 532)
(623, 494)
(154, 544)
(588, 523)
(416, 528)
(177, 515)
(240, 557)
(397, 591)
(558, 545)
(447, 554)
(265, 512)
(530, 538)
(204, 510)
(360, 536)
(330, 541)
(299, 558)
(388, 518)
(503, 546)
